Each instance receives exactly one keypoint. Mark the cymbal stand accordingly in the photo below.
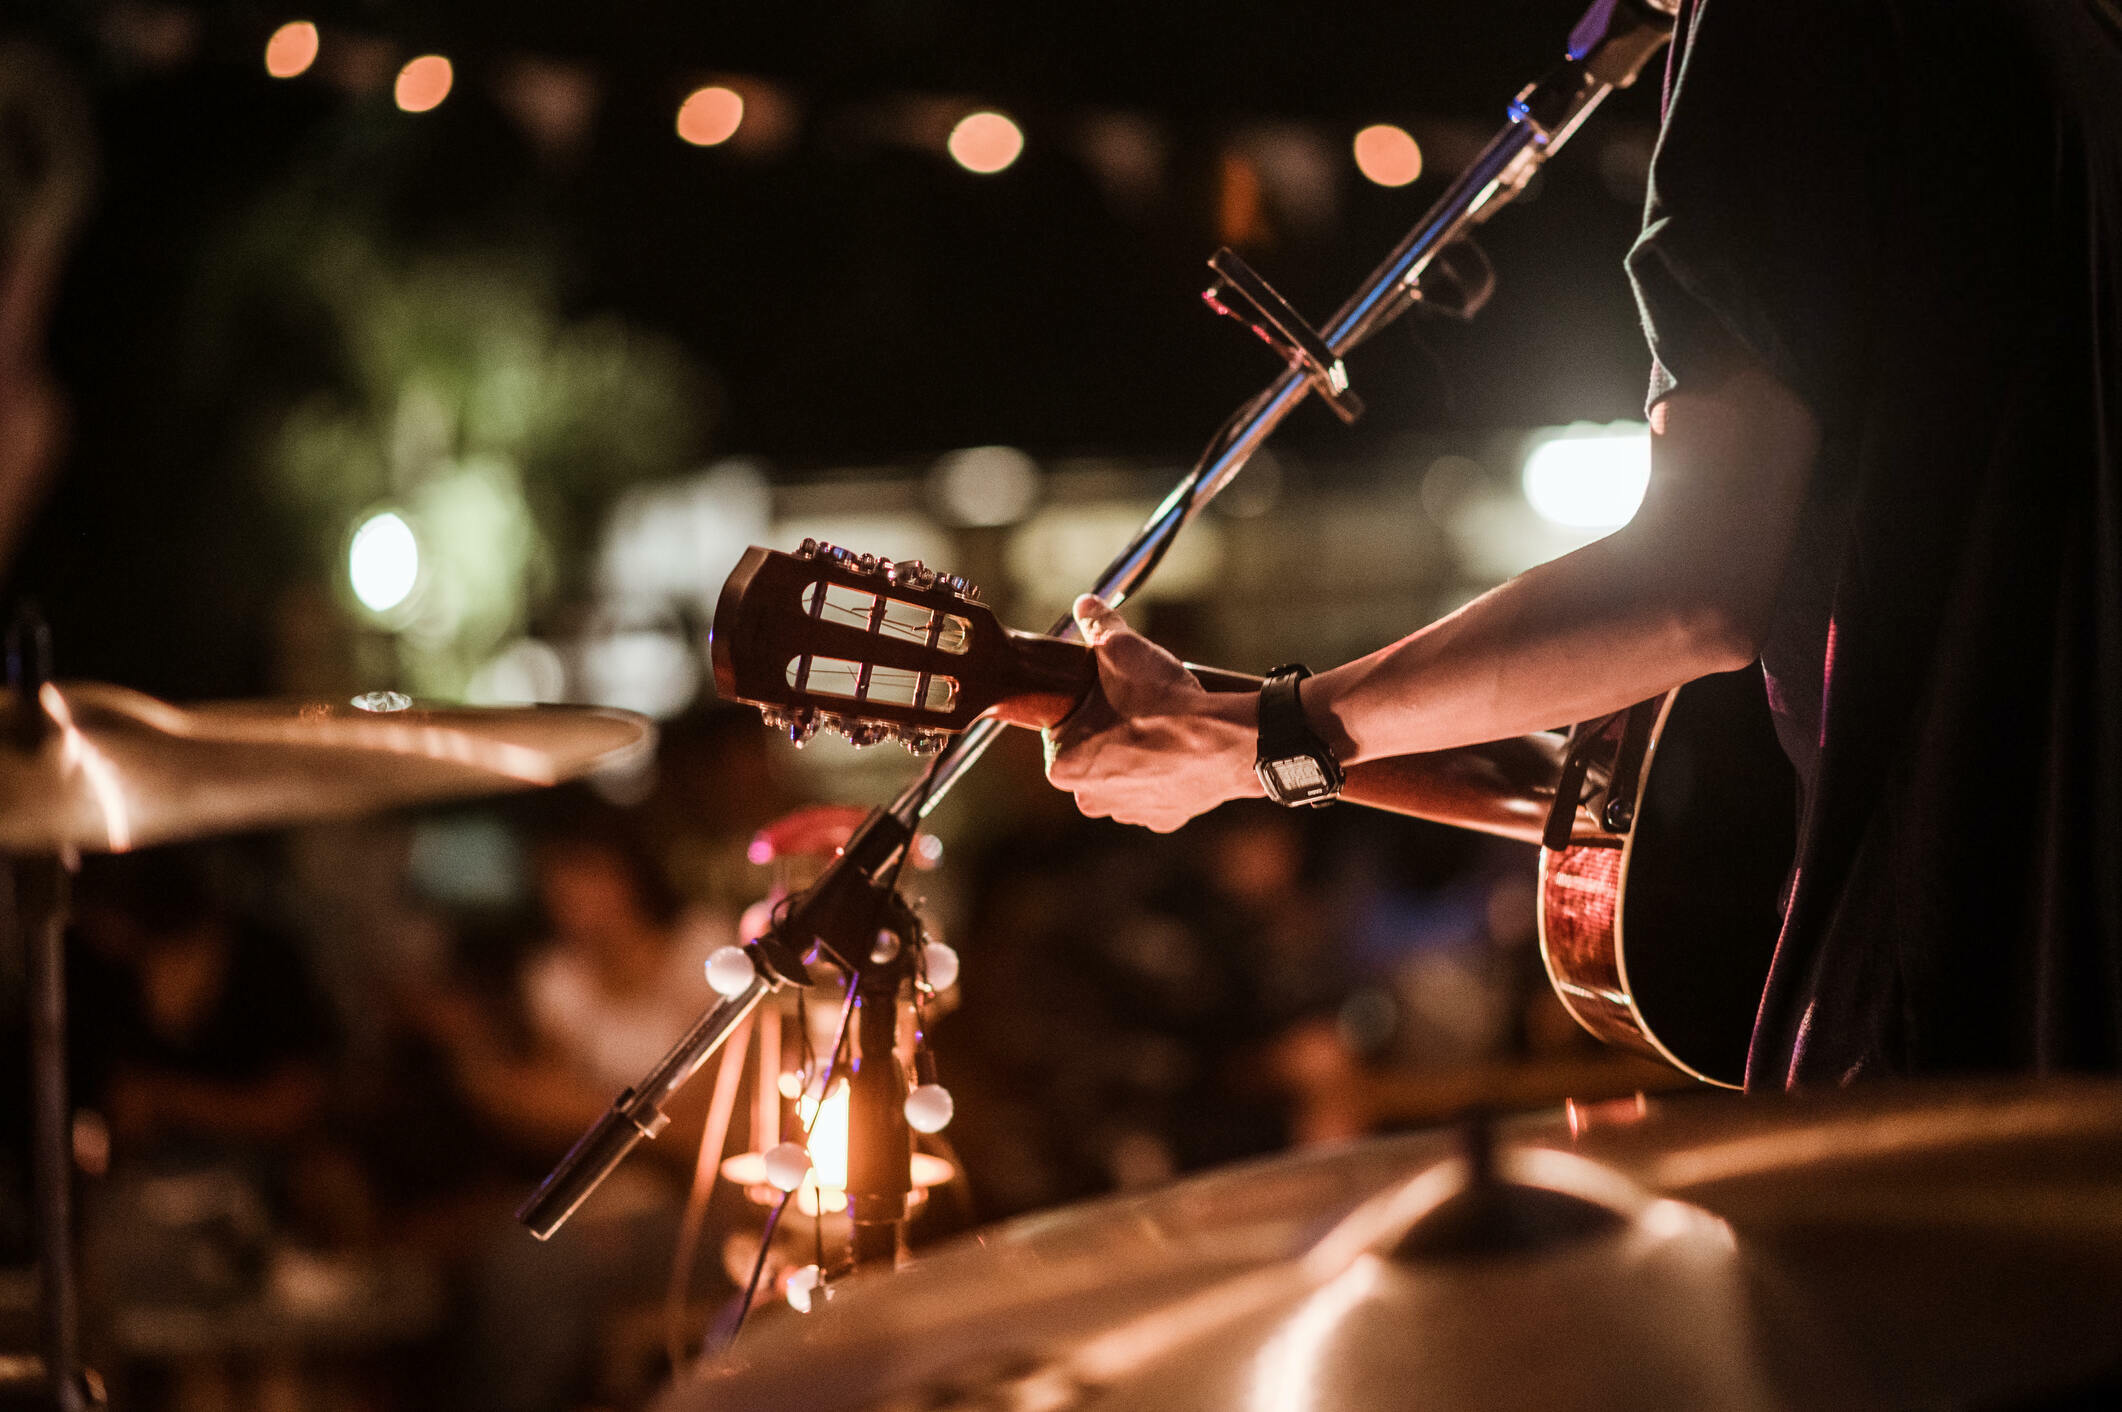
(39, 884)
(1607, 49)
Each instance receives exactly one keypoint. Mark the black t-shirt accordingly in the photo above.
(1912, 214)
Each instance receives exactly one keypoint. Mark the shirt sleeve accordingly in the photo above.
(1759, 230)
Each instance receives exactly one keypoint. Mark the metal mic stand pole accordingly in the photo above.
(880, 1142)
(1607, 49)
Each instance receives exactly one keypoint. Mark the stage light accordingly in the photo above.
(424, 82)
(710, 116)
(1589, 477)
(985, 485)
(383, 562)
(1387, 155)
(985, 143)
(292, 49)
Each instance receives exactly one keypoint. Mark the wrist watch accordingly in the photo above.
(1294, 765)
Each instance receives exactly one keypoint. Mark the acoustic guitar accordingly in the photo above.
(1658, 903)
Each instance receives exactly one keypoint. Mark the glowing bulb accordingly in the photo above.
(1387, 155)
(424, 82)
(383, 562)
(929, 1108)
(803, 1288)
(292, 49)
(1589, 477)
(787, 1164)
(730, 971)
(985, 143)
(940, 966)
(710, 116)
(828, 1138)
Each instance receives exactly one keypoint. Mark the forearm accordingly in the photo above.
(1685, 589)
(1576, 638)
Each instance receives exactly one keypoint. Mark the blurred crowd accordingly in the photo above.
(316, 1072)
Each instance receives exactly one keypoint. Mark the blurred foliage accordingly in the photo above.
(451, 385)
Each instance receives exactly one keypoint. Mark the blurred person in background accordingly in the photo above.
(614, 978)
(1132, 1012)
(200, 1037)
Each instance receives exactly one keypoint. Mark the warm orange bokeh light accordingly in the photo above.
(424, 82)
(985, 142)
(710, 116)
(1387, 155)
(292, 49)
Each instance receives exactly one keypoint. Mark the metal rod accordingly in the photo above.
(40, 886)
(880, 1144)
(1528, 139)
(635, 1114)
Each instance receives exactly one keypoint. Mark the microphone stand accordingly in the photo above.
(840, 914)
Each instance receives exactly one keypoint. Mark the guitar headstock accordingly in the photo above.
(872, 648)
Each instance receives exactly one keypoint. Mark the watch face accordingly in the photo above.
(1296, 776)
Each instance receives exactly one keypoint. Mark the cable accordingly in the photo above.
(713, 1138)
(773, 1221)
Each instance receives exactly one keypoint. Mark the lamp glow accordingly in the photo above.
(423, 83)
(1589, 477)
(710, 116)
(1387, 155)
(292, 49)
(985, 143)
(383, 562)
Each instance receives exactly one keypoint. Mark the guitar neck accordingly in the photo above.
(1503, 788)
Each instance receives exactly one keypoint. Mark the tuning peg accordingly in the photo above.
(918, 741)
(862, 734)
(801, 726)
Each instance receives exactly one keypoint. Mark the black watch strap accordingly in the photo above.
(1294, 765)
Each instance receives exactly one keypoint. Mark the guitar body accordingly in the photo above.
(1658, 919)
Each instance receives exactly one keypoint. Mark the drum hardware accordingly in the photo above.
(86, 767)
(1901, 1246)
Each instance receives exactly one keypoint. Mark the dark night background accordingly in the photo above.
(856, 303)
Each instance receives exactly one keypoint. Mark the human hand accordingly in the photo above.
(1152, 747)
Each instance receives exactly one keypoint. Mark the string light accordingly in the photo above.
(985, 143)
(1387, 155)
(710, 116)
(423, 83)
(291, 50)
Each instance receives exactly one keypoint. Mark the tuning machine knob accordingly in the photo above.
(798, 726)
(918, 741)
(862, 734)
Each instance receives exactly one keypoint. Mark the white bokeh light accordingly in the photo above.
(383, 562)
(1589, 477)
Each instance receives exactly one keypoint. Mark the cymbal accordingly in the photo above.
(1934, 1245)
(111, 769)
